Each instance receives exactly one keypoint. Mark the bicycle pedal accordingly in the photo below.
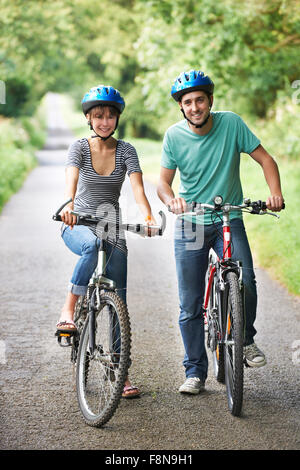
(64, 338)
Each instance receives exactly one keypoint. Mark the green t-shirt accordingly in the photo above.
(209, 165)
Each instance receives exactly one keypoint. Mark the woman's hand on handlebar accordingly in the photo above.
(150, 232)
(177, 205)
(66, 216)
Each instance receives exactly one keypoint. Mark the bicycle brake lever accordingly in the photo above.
(269, 213)
(163, 223)
(56, 216)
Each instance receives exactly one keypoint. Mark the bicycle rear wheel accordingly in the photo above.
(100, 375)
(234, 339)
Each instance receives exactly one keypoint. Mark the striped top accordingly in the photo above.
(97, 194)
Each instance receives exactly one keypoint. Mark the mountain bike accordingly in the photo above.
(100, 345)
(224, 301)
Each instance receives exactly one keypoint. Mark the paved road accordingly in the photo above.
(38, 401)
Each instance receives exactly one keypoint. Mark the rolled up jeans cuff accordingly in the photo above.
(77, 290)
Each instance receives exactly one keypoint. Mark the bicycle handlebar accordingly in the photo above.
(134, 228)
(255, 207)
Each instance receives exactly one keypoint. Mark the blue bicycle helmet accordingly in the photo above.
(102, 95)
(191, 81)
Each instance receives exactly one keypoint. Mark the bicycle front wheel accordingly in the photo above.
(100, 374)
(234, 339)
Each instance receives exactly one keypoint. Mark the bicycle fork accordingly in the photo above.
(216, 286)
(92, 322)
(99, 280)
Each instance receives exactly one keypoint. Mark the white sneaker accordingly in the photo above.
(192, 385)
(254, 356)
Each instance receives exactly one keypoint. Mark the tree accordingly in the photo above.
(249, 48)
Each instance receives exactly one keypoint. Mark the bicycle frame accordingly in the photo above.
(225, 263)
(226, 237)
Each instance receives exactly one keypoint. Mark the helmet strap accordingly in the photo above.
(198, 126)
(100, 136)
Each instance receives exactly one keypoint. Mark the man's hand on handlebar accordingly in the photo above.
(177, 205)
(275, 203)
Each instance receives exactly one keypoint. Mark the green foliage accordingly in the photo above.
(139, 46)
(17, 97)
(38, 48)
(250, 49)
(274, 240)
(19, 138)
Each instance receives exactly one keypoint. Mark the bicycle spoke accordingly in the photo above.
(214, 332)
(101, 375)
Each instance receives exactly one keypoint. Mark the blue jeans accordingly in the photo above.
(81, 241)
(192, 244)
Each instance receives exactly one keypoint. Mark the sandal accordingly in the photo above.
(66, 325)
(129, 391)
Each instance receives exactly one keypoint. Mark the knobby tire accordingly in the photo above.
(234, 339)
(100, 377)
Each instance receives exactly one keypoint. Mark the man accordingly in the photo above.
(206, 147)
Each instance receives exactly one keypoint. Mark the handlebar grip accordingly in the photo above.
(261, 205)
(190, 207)
(57, 218)
(264, 206)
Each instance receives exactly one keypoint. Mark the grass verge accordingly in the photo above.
(19, 139)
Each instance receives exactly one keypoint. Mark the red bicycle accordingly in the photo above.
(224, 302)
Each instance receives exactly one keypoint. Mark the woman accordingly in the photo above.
(96, 169)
